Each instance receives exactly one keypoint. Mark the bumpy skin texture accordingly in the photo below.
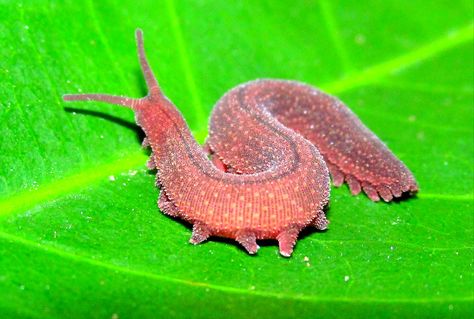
(352, 152)
(271, 143)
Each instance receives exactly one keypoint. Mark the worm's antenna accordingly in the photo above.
(112, 99)
(151, 82)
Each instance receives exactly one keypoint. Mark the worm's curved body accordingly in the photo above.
(271, 143)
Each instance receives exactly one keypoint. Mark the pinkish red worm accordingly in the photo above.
(271, 143)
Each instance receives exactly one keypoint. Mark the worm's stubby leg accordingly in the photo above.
(248, 240)
(354, 185)
(145, 143)
(385, 193)
(287, 239)
(320, 222)
(396, 190)
(370, 191)
(218, 163)
(151, 163)
(206, 148)
(214, 158)
(166, 206)
(200, 233)
(336, 174)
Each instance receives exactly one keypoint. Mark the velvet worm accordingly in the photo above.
(264, 170)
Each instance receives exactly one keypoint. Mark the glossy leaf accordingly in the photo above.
(80, 232)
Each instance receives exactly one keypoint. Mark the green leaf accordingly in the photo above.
(80, 232)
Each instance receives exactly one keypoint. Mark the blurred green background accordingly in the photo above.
(80, 232)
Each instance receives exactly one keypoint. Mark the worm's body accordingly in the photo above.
(267, 178)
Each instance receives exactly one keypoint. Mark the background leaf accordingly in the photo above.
(80, 233)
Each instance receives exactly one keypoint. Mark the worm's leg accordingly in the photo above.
(287, 240)
(218, 163)
(336, 174)
(320, 222)
(151, 163)
(370, 191)
(385, 193)
(200, 233)
(214, 158)
(354, 184)
(167, 206)
(145, 143)
(248, 241)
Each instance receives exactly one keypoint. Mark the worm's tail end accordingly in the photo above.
(152, 84)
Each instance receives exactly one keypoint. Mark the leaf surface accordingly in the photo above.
(80, 232)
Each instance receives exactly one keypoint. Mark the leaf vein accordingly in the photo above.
(331, 25)
(105, 41)
(185, 62)
(227, 289)
(379, 71)
(68, 184)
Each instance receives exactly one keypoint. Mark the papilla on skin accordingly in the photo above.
(272, 145)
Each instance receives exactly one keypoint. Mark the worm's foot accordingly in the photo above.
(320, 222)
(287, 239)
(354, 185)
(200, 233)
(167, 206)
(385, 191)
(151, 165)
(145, 143)
(248, 240)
